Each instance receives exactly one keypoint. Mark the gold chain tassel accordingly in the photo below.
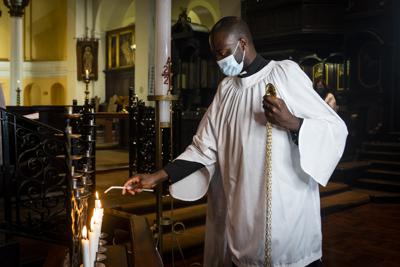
(269, 90)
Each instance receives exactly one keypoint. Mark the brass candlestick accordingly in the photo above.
(18, 96)
(86, 79)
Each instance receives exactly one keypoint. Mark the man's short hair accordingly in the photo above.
(232, 25)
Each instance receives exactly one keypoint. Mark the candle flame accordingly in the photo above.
(84, 232)
(97, 195)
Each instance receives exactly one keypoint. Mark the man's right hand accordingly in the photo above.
(144, 181)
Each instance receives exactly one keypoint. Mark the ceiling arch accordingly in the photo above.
(111, 16)
(205, 11)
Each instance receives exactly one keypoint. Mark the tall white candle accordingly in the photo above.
(85, 249)
(94, 237)
(163, 55)
(94, 224)
(97, 203)
(98, 211)
(87, 74)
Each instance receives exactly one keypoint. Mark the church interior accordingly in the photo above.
(89, 98)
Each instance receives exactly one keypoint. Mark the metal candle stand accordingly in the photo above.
(86, 79)
(81, 136)
(164, 133)
(18, 96)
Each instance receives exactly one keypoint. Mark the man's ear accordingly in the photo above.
(243, 43)
(211, 44)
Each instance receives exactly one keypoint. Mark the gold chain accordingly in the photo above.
(269, 90)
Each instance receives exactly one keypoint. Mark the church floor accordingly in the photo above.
(365, 236)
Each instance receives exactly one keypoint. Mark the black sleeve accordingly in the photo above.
(295, 134)
(179, 169)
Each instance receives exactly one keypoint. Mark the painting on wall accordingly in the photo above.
(86, 58)
(318, 71)
(121, 48)
(112, 53)
(340, 77)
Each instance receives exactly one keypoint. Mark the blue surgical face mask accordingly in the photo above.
(229, 66)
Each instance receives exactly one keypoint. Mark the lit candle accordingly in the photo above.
(97, 202)
(18, 83)
(87, 74)
(94, 237)
(85, 248)
(98, 212)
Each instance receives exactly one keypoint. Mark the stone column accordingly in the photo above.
(16, 10)
(144, 53)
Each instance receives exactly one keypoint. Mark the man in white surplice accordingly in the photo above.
(227, 157)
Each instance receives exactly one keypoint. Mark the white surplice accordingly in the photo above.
(231, 143)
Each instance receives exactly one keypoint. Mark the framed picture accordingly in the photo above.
(112, 52)
(121, 48)
(318, 70)
(86, 58)
(340, 77)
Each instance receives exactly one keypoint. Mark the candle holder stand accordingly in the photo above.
(164, 154)
(80, 133)
(86, 80)
(18, 96)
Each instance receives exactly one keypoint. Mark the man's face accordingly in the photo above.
(223, 44)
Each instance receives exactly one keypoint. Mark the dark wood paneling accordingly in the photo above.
(394, 112)
(268, 18)
(118, 81)
(365, 6)
(296, 28)
(53, 116)
(321, 16)
(366, 32)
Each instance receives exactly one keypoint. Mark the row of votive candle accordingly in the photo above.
(90, 244)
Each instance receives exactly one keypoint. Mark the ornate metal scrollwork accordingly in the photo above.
(143, 134)
(37, 185)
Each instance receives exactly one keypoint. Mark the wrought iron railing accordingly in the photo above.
(34, 178)
(48, 176)
(142, 135)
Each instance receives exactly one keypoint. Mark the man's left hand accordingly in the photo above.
(277, 113)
